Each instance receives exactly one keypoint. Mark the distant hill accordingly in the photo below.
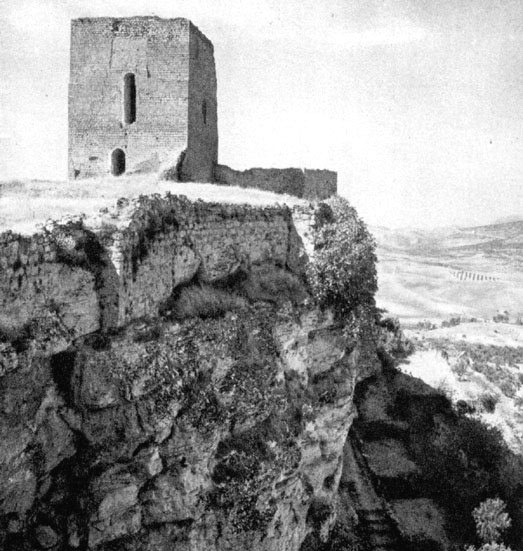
(493, 236)
(436, 274)
(506, 219)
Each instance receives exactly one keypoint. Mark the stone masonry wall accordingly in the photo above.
(35, 283)
(309, 184)
(73, 278)
(168, 241)
(103, 50)
(157, 52)
(202, 150)
(319, 184)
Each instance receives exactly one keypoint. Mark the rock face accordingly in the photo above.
(123, 429)
(214, 434)
(125, 432)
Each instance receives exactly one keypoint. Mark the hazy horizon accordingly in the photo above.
(418, 105)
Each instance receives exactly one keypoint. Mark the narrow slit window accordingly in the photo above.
(204, 112)
(129, 98)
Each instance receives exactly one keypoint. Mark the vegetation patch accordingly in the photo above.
(248, 462)
(499, 364)
(201, 301)
(491, 521)
(463, 463)
(265, 283)
(269, 283)
(488, 402)
(393, 345)
(342, 274)
(77, 247)
(148, 332)
(157, 223)
(329, 386)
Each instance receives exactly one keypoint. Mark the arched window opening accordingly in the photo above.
(129, 98)
(204, 112)
(117, 162)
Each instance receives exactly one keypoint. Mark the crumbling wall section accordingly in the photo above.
(308, 184)
(170, 240)
(42, 292)
(82, 278)
(319, 184)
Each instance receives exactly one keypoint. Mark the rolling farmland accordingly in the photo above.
(433, 275)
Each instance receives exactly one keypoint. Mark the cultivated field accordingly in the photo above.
(446, 286)
(470, 272)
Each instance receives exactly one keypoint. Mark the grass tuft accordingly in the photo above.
(271, 284)
(202, 301)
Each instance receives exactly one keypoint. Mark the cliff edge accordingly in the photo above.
(170, 380)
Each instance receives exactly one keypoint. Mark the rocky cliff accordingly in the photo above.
(188, 376)
(206, 434)
(125, 427)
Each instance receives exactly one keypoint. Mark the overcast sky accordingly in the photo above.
(418, 104)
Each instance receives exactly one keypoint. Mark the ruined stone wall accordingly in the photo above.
(319, 184)
(169, 241)
(157, 52)
(79, 278)
(37, 283)
(309, 184)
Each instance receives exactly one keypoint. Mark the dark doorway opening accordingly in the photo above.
(129, 98)
(117, 162)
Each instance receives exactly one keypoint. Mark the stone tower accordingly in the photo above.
(142, 97)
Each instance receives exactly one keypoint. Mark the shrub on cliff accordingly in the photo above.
(272, 284)
(393, 345)
(18, 336)
(342, 274)
(202, 301)
(491, 520)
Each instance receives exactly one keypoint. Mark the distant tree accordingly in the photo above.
(491, 521)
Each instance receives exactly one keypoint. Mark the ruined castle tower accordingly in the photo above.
(142, 97)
